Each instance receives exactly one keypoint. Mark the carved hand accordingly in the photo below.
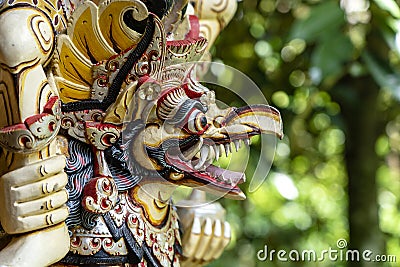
(33, 197)
(206, 233)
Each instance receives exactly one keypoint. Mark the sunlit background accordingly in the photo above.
(332, 68)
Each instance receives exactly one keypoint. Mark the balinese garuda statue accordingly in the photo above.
(102, 117)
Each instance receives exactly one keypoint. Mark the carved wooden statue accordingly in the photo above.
(101, 118)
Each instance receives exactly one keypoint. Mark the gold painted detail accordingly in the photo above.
(213, 16)
(160, 240)
(86, 70)
(150, 65)
(89, 242)
(181, 57)
(114, 31)
(97, 43)
(186, 51)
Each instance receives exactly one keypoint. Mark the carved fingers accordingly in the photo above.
(33, 197)
(205, 241)
(34, 172)
(40, 221)
(49, 185)
(222, 237)
(206, 233)
(37, 206)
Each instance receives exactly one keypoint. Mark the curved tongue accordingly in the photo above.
(220, 174)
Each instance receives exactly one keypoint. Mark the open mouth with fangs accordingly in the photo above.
(189, 160)
(195, 161)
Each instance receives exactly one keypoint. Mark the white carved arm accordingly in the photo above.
(32, 194)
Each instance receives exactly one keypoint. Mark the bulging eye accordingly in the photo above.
(197, 122)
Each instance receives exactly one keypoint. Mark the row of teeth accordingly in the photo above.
(208, 153)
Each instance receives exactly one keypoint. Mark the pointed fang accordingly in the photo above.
(227, 149)
(246, 142)
(237, 145)
(203, 156)
(217, 152)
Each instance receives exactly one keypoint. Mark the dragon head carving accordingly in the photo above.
(136, 80)
(185, 131)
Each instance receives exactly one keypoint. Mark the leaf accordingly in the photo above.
(386, 78)
(331, 53)
(388, 27)
(323, 17)
(390, 6)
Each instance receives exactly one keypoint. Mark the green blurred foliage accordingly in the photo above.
(297, 52)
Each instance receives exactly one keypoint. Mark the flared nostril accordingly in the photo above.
(218, 122)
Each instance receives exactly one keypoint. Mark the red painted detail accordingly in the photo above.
(118, 209)
(164, 95)
(52, 126)
(191, 93)
(47, 111)
(153, 237)
(107, 187)
(76, 242)
(90, 190)
(144, 79)
(100, 125)
(94, 242)
(102, 80)
(95, 199)
(194, 27)
(107, 242)
(104, 203)
(48, 108)
(186, 42)
(12, 128)
(35, 118)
